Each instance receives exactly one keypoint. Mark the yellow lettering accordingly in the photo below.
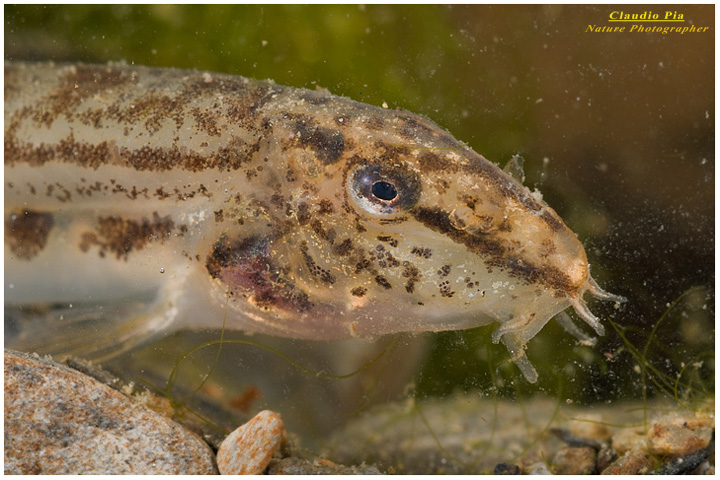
(673, 15)
(603, 28)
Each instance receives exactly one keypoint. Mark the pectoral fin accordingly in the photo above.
(92, 331)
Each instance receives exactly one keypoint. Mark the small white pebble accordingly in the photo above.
(540, 469)
(248, 450)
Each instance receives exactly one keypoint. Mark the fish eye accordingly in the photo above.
(384, 189)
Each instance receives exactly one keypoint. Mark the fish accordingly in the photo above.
(140, 201)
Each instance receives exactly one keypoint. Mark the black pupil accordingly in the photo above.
(384, 190)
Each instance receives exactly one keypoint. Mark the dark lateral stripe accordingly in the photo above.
(121, 236)
(494, 253)
(94, 155)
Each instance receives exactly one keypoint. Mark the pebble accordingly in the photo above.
(590, 425)
(605, 457)
(574, 441)
(574, 461)
(61, 421)
(625, 439)
(680, 434)
(249, 449)
(634, 462)
(684, 465)
(538, 469)
(506, 469)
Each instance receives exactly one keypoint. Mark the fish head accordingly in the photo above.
(385, 223)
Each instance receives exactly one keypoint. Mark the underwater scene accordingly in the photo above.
(361, 239)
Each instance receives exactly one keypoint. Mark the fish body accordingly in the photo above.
(218, 200)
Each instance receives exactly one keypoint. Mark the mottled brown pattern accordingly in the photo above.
(86, 155)
(383, 258)
(359, 291)
(290, 175)
(388, 239)
(62, 194)
(79, 83)
(444, 271)
(412, 273)
(343, 248)
(245, 103)
(445, 290)
(470, 201)
(328, 144)
(12, 85)
(390, 153)
(325, 207)
(328, 235)
(393, 221)
(361, 261)
(27, 232)
(303, 213)
(422, 252)
(151, 110)
(316, 270)
(431, 161)
(383, 282)
(207, 121)
(240, 104)
(359, 226)
(547, 248)
(375, 123)
(299, 201)
(93, 155)
(121, 236)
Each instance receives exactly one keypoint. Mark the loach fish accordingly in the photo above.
(160, 199)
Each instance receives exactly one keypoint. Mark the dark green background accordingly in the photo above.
(617, 131)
